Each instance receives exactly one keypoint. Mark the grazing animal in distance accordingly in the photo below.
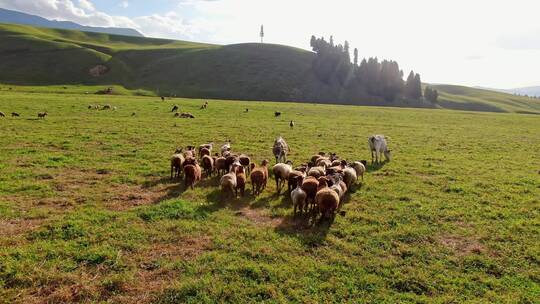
(106, 107)
(247, 110)
(280, 149)
(42, 115)
(291, 124)
(186, 115)
(133, 114)
(162, 98)
(15, 114)
(174, 108)
(277, 114)
(2, 114)
(377, 144)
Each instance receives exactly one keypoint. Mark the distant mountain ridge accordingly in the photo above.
(10, 16)
(529, 91)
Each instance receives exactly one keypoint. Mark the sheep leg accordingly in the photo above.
(277, 184)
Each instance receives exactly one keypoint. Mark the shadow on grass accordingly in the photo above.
(373, 167)
(307, 227)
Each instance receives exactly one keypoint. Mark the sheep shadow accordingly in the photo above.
(308, 227)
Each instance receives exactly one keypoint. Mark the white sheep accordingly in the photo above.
(298, 196)
(281, 174)
(377, 144)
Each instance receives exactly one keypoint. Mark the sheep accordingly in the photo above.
(15, 114)
(377, 144)
(190, 152)
(192, 172)
(106, 107)
(133, 114)
(42, 115)
(176, 114)
(247, 110)
(241, 180)
(281, 174)
(310, 185)
(204, 152)
(316, 171)
(339, 186)
(280, 149)
(259, 177)
(177, 162)
(208, 164)
(245, 161)
(323, 162)
(291, 124)
(349, 176)
(326, 199)
(277, 114)
(298, 196)
(175, 108)
(220, 165)
(228, 183)
(226, 147)
(292, 179)
(230, 160)
(2, 114)
(360, 169)
(208, 146)
(186, 115)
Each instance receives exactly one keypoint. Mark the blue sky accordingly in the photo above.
(470, 42)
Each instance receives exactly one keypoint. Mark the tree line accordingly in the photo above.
(370, 77)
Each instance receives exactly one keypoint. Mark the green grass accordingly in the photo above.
(88, 213)
(40, 57)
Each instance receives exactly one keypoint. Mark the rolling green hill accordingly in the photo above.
(44, 57)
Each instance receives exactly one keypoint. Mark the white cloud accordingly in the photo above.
(124, 4)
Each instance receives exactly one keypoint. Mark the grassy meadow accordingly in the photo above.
(88, 212)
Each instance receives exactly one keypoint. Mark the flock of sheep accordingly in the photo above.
(15, 114)
(317, 186)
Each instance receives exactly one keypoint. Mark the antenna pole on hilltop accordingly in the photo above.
(262, 34)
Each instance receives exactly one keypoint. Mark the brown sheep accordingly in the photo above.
(204, 152)
(15, 114)
(2, 114)
(310, 185)
(259, 177)
(292, 179)
(177, 162)
(190, 152)
(245, 161)
(208, 165)
(231, 159)
(241, 180)
(220, 165)
(327, 200)
(192, 172)
(42, 115)
(316, 172)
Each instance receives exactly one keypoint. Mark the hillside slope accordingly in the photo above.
(10, 16)
(42, 56)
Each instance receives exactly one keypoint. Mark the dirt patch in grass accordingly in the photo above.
(258, 217)
(125, 197)
(152, 277)
(462, 245)
(15, 227)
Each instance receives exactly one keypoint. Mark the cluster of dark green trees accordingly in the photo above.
(431, 94)
(370, 77)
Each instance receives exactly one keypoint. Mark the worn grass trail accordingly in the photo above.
(88, 213)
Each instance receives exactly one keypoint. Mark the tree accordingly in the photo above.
(413, 86)
(313, 42)
(355, 57)
(332, 41)
(431, 94)
(262, 33)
